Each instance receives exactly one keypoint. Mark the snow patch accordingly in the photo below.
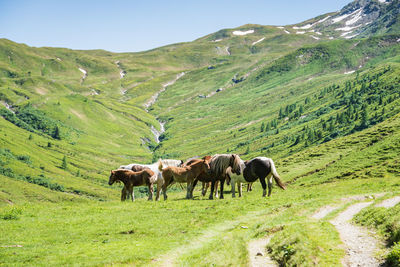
(355, 18)
(227, 50)
(346, 33)
(256, 42)
(241, 33)
(300, 32)
(322, 20)
(305, 27)
(398, 40)
(331, 38)
(318, 33)
(315, 37)
(218, 40)
(83, 71)
(59, 59)
(340, 18)
(84, 74)
(349, 72)
(347, 28)
(289, 32)
(351, 36)
(281, 27)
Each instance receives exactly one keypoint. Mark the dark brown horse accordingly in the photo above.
(186, 174)
(218, 165)
(131, 179)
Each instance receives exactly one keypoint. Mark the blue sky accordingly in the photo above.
(130, 26)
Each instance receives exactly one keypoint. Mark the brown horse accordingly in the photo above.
(131, 179)
(135, 168)
(186, 174)
(202, 176)
(218, 165)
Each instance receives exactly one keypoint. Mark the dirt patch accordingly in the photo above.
(78, 114)
(41, 91)
(258, 255)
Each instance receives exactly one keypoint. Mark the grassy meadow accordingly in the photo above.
(327, 113)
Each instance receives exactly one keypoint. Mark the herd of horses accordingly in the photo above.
(210, 170)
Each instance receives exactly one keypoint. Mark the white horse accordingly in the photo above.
(154, 168)
(257, 168)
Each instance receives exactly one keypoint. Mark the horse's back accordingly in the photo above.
(257, 168)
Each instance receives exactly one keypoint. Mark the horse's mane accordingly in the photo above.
(220, 162)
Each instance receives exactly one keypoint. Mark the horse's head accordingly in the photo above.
(206, 166)
(235, 164)
(207, 158)
(112, 178)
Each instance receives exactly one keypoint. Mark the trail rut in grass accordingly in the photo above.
(210, 234)
(258, 254)
(361, 247)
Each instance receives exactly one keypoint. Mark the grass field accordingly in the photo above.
(326, 111)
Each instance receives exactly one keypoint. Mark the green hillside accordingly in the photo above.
(325, 109)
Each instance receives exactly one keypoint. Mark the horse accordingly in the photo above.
(154, 168)
(131, 179)
(218, 165)
(186, 174)
(202, 176)
(257, 168)
(124, 191)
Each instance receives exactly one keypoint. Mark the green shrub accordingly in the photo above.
(10, 213)
(393, 259)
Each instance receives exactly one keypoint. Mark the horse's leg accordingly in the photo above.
(188, 189)
(159, 185)
(194, 185)
(132, 193)
(203, 188)
(212, 190)
(269, 180)
(233, 187)
(216, 188)
(150, 191)
(240, 189)
(264, 186)
(123, 194)
(222, 189)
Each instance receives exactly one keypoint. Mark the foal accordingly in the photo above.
(186, 174)
(131, 179)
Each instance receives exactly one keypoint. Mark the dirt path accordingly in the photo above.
(258, 254)
(360, 245)
(389, 203)
(322, 212)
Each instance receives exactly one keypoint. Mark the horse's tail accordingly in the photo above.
(276, 176)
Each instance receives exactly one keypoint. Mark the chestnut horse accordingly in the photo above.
(252, 170)
(186, 174)
(154, 168)
(131, 179)
(124, 191)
